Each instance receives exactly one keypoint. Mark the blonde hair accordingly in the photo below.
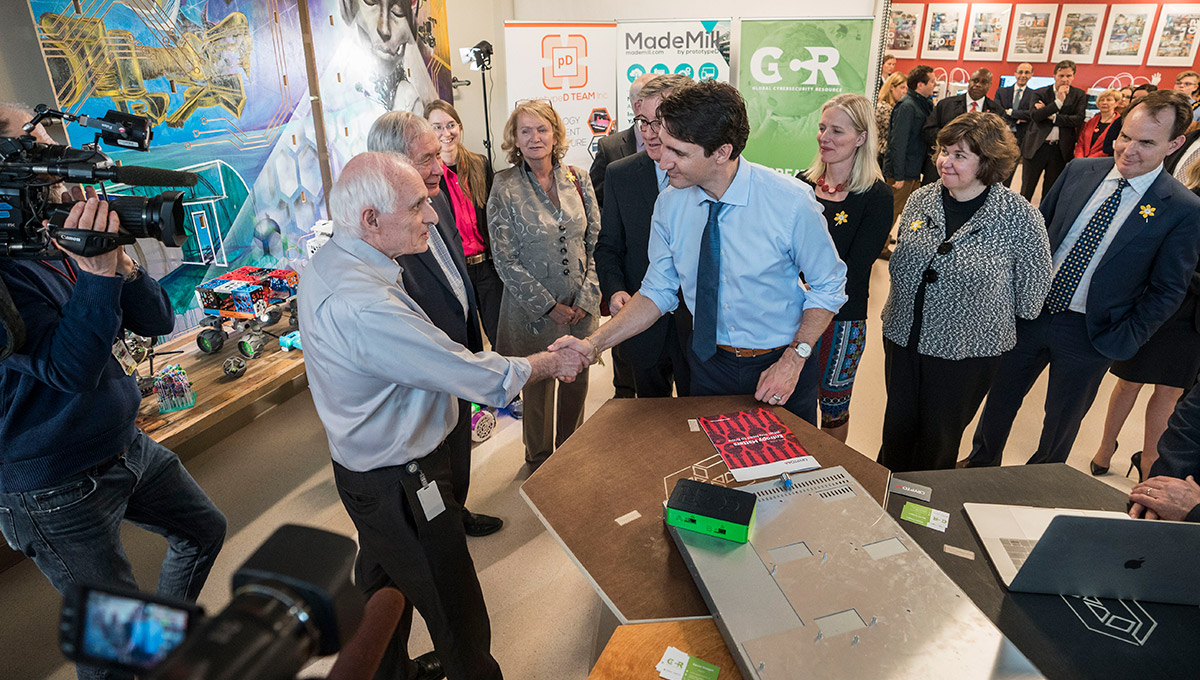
(865, 171)
(539, 109)
(885, 92)
(1112, 93)
(1191, 175)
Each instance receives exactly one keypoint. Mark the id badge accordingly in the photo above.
(431, 500)
(124, 357)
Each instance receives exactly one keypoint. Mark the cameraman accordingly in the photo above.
(73, 464)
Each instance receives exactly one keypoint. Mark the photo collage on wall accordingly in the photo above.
(225, 85)
(1126, 34)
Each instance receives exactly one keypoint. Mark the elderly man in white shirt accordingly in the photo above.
(386, 384)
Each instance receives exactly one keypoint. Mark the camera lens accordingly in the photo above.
(159, 217)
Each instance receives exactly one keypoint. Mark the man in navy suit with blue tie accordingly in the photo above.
(1126, 237)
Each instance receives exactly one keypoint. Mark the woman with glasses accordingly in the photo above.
(544, 223)
(468, 177)
(972, 258)
(857, 204)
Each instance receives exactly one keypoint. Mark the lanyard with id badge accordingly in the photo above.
(428, 495)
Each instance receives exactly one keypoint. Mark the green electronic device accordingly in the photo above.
(711, 509)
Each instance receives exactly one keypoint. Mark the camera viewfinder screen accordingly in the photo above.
(132, 632)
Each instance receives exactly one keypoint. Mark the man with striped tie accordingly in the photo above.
(1126, 237)
(734, 236)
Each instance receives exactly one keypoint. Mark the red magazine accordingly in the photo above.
(755, 444)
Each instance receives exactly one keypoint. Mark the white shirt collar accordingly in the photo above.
(1139, 184)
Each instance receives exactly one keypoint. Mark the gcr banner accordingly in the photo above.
(787, 69)
(573, 67)
(696, 49)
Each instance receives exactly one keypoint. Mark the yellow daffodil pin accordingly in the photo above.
(1147, 211)
(841, 218)
(916, 224)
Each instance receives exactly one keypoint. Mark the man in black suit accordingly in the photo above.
(974, 99)
(1055, 120)
(1188, 153)
(437, 279)
(625, 143)
(1125, 239)
(658, 354)
(1171, 492)
(614, 148)
(1017, 100)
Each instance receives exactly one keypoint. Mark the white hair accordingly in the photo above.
(367, 181)
(397, 131)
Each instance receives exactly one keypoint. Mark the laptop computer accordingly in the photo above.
(1092, 553)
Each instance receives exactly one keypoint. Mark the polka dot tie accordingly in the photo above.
(1072, 269)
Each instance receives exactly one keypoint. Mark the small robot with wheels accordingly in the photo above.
(250, 298)
(483, 423)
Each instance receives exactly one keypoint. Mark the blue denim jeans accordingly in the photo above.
(72, 531)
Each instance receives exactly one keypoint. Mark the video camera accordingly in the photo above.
(29, 171)
(292, 600)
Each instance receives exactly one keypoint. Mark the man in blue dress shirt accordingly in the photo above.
(736, 237)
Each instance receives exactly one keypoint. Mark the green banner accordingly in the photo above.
(787, 69)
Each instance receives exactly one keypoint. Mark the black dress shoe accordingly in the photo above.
(429, 667)
(1098, 470)
(480, 525)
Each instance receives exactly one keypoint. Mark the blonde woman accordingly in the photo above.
(893, 90)
(544, 223)
(1097, 136)
(857, 204)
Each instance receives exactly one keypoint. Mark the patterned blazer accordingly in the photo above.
(543, 255)
(995, 268)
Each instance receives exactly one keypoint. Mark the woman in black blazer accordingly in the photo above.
(857, 204)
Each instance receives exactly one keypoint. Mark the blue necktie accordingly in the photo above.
(1072, 268)
(708, 277)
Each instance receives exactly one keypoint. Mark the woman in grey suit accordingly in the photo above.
(544, 222)
(972, 257)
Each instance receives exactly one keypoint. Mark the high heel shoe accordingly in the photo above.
(1098, 470)
(1135, 463)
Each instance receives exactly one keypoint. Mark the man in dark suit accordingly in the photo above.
(658, 354)
(1171, 493)
(1189, 151)
(974, 99)
(625, 143)
(1055, 120)
(1125, 239)
(614, 148)
(437, 279)
(1017, 100)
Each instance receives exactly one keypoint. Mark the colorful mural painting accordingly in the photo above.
(225, 83)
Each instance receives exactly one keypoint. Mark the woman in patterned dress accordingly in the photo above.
(857, 204)
(544, 223)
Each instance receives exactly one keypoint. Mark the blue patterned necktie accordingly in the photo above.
(708, 277)
(1072, 268)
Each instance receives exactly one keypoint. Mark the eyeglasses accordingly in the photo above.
(654, 125)
(451, 126)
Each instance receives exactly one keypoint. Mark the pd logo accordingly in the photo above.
(764, 65)
(562, 68)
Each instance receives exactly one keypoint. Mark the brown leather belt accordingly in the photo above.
(743, 352)
(477, 259)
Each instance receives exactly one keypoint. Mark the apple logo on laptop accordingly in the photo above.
(1135, 564)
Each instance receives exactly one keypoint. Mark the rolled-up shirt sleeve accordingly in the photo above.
(430, 360)
(816, 256)
(661, 283)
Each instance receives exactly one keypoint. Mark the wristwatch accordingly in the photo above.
(135, 273)
(803, 349)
